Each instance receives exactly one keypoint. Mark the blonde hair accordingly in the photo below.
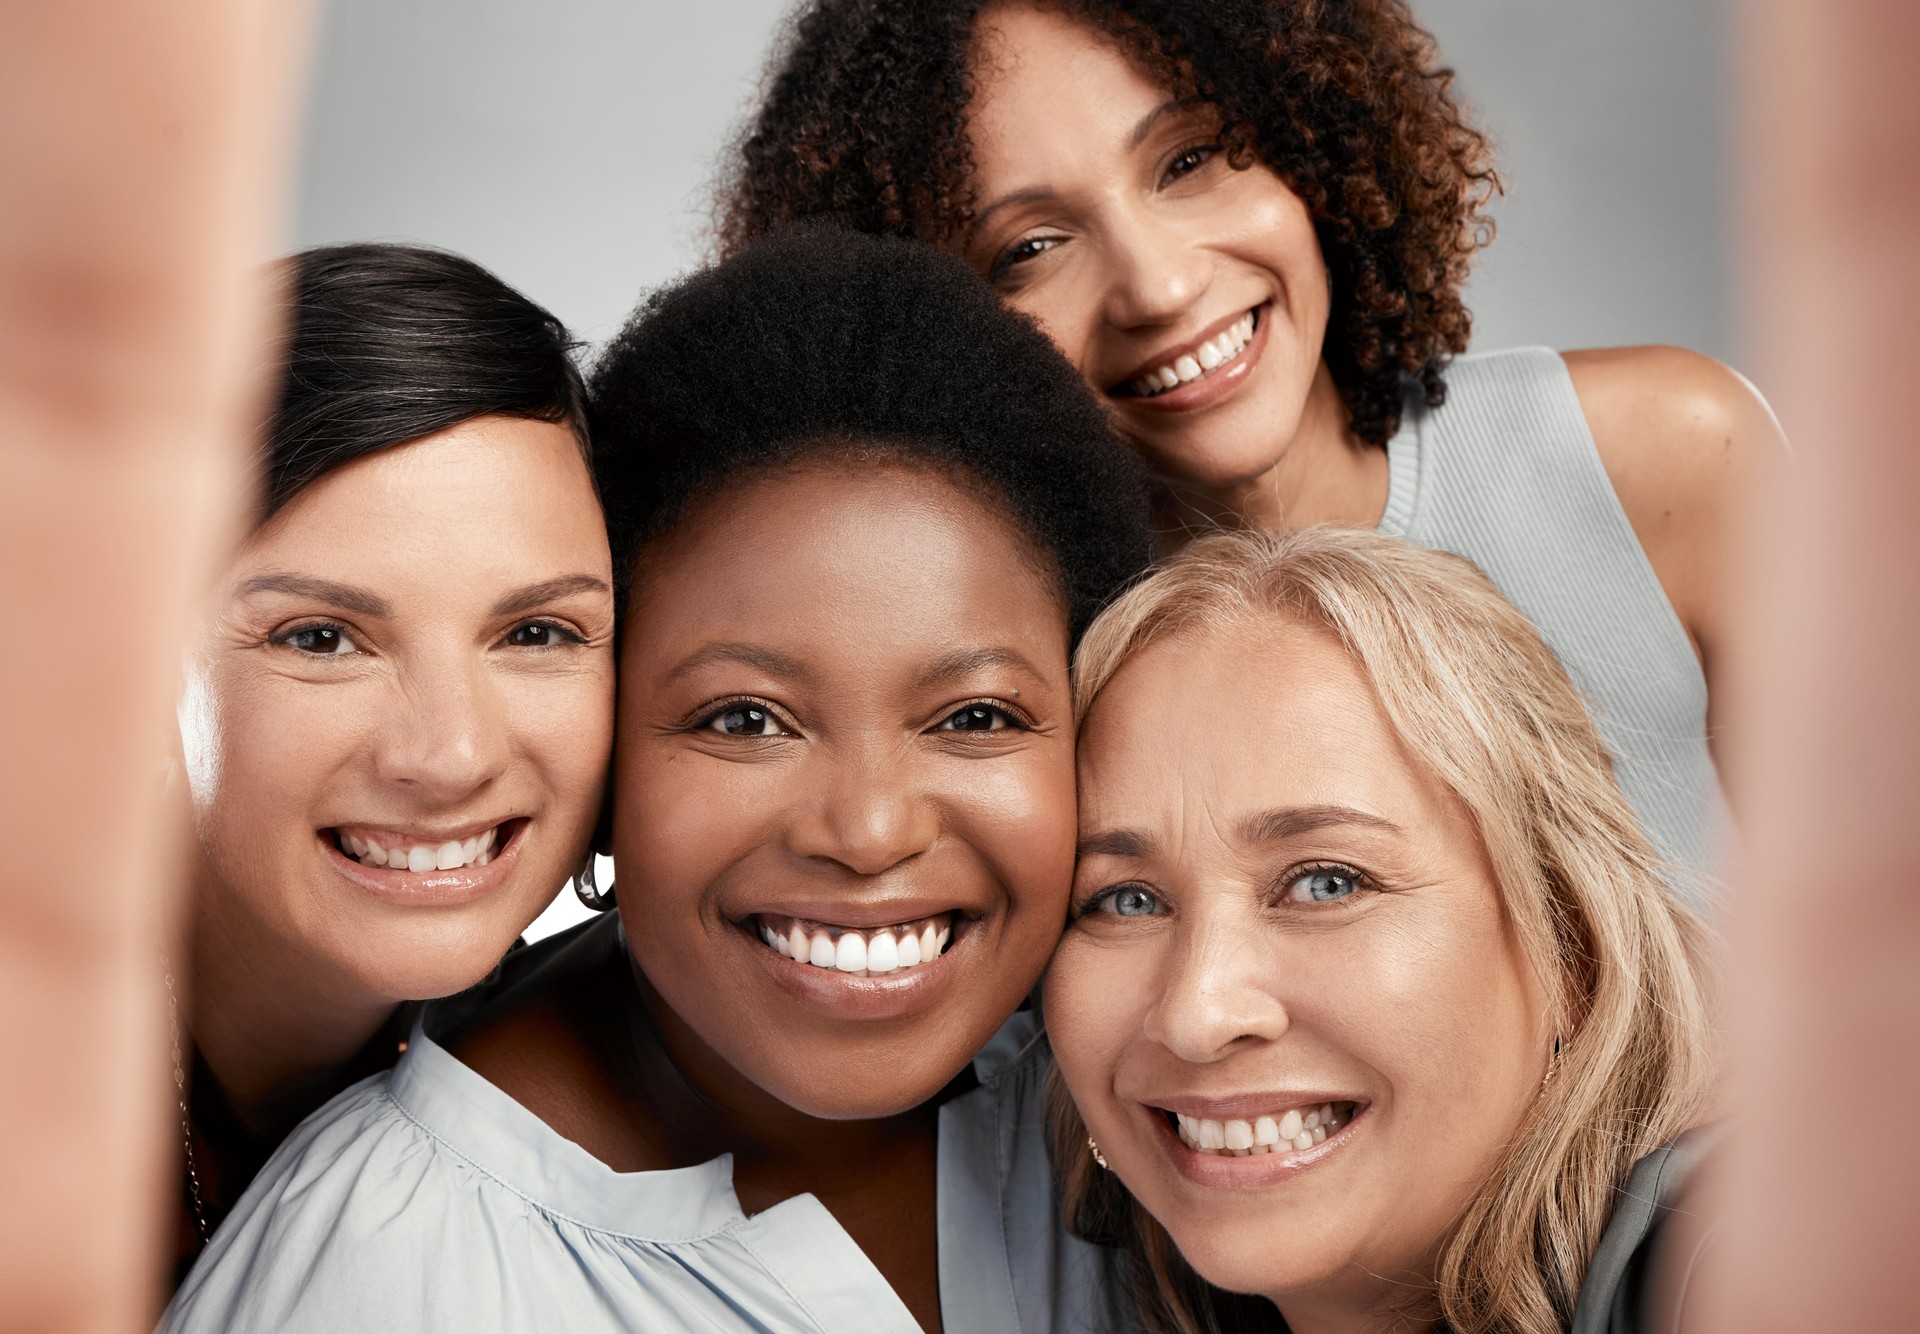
(1484, 705)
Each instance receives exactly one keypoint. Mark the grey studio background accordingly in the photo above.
(569, 145)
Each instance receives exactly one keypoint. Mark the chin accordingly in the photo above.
(1194, 465)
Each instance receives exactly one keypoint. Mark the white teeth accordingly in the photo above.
(865, 953)
(1263, 1135)
(448, 856)
(850, 953)
(1203, 360)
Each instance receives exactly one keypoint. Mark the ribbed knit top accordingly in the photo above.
(1506, 474)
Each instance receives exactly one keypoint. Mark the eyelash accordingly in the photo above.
(1012, 258)
(1204, 152)
(1362, 882)
(1015, 721)
(285, 638)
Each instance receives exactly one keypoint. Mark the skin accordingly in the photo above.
(1200, 965)
(863, 609)
(1108, 213)
(419, 641)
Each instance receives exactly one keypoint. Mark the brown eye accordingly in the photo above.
(539, 634)
(319, 641)
(978, 718)
(744, 720)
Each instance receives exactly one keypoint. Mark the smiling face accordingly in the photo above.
(1290, 1004)
(397, 720)
(1193, 296)
(843, 779)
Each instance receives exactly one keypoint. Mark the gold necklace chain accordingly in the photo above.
(186, 1116)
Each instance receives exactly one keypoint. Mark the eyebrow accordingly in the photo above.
(1040, 194)
(344, 596)
(963, 661)
(1267, 827)
(751, 655)
(1115, 843)
(1159, 113)
(548, 590)
(1292, 821)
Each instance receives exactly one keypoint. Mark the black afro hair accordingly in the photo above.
(823, 339)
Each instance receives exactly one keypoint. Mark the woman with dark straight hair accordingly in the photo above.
(397, 708)
(860, 512)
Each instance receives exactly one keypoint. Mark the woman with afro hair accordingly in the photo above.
(1247, 223)
(793, 1083)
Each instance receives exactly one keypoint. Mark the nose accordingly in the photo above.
(867, 814)
(447, 737)
(1220, 990)
(1155, 271)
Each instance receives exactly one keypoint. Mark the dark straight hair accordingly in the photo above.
(389, 343)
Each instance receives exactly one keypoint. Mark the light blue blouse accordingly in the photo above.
(426, 1199)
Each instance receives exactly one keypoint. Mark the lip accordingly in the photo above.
(430, 889)
(1208, 389)
(843, 996)
(859, 914)
(1246, 1106)
(1216, 1171)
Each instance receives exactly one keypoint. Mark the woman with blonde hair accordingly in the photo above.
(1373, 1000)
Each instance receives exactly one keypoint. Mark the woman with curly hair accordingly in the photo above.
(1247, 222)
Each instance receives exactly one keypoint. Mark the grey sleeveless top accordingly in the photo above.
(1506, 474)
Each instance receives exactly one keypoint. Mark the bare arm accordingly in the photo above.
(1824, 1213)
(142, 147)
(1687, 444)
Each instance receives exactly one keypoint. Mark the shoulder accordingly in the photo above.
(1682, 438)
(348, 1149)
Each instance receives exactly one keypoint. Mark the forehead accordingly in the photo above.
(1035, 68)
(490, 494)
(1233, 720)
(843, 560)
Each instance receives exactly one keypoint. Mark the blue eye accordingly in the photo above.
(751, 720)
(1324, 884)
(1126, 901)
(319, 641)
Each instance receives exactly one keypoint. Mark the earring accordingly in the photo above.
(590, 893)
(1553, 1066)
(1097, 1156)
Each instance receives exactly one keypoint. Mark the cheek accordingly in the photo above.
(267, 755)
(564, 726)
(680, 819)
(1019, 815)
(1093, 1006)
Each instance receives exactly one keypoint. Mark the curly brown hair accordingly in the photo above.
(864, 119)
